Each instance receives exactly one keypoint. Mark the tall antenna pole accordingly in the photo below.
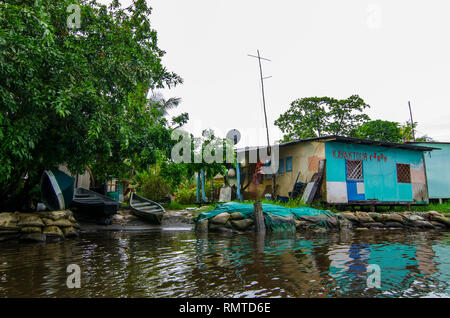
(269, 150)
(262, 89)
(412, 122)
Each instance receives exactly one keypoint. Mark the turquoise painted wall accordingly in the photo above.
(379, 168)
(437, 164)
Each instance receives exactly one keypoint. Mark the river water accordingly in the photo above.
(170, 263)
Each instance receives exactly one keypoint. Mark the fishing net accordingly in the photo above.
(276, 217)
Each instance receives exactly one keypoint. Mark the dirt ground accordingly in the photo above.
(125, 220)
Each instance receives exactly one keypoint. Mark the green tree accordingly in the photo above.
(381, 130)
(162, 105)
(407, 134)
(209, 153)
(319, 116)
(76, 96)
(213, 147)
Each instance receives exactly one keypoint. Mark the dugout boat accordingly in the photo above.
(146, 209)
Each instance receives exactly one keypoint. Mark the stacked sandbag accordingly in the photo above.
(238, 217)
(38, 226)
(225, 222)
(394, 221)
(9, 227)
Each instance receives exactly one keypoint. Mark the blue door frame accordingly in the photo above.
(352, 186)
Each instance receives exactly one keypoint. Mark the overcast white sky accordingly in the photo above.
(388, 52)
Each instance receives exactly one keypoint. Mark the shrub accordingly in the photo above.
(186, 195)
(152, 186)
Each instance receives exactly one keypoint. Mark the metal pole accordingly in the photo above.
(412, 122)
(269, 150)
(264, 99)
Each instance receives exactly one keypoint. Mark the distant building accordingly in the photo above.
(357, 171)
(437, 165)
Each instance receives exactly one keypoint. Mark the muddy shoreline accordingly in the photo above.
(125, 220)
(61, 225)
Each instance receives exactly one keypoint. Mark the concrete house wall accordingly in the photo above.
(379, 174)
(305, 159)
(437, 163)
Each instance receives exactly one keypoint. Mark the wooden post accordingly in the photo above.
(260, 242)
(198, 187)
(212, 190)
(238, 177)
(259, 218)
(202, 174)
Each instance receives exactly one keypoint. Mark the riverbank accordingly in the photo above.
(60, 225)
(125, 220)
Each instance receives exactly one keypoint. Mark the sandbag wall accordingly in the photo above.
(240, 222)
(38, 226)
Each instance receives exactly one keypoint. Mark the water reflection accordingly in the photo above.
(181, 264)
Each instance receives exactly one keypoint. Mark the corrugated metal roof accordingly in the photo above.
(350, 140)
(429, 142)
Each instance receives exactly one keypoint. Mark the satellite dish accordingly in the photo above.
(231, 173)
(234, 135)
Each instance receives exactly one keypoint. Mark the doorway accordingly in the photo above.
(355, 180)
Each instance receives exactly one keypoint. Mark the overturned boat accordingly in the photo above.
(146, 209)
(57, 189)
(94, 205)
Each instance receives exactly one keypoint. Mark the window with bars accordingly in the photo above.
(355, 170)
(403, 173)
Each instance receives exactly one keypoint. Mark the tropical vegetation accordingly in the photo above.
(77, 95)
(311, 117)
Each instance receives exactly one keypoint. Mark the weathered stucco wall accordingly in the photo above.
(305, 159)
(438, 170)
(379, 173)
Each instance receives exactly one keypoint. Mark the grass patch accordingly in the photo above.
(296, 203)
(177, 206)
(441, 208)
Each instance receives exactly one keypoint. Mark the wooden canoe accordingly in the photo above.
(94, 205)
(146, 209)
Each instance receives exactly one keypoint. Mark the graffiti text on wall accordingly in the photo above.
(364, 156)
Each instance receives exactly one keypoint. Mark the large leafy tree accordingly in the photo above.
(76, 96)
(407, 134)
(384, 130)
(381, 130)
(319, 116)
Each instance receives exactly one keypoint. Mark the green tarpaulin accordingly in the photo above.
(275, 217)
